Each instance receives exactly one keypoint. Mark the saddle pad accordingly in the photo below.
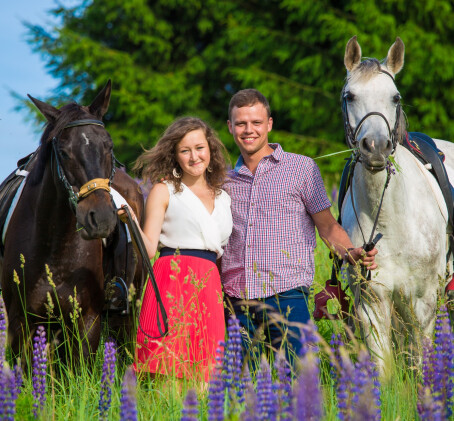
(119, 200)
(12, 207)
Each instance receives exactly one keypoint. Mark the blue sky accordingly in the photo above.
(23, 72)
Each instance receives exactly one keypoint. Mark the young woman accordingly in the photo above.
(188, 219)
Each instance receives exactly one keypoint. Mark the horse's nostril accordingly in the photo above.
(366, 145)
(92, 219)
(389, 145)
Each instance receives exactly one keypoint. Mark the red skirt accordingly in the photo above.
(190, 289)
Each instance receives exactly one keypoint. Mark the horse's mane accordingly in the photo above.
(69, 112)
(364, 72)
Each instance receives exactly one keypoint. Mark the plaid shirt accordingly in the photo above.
(271, 248)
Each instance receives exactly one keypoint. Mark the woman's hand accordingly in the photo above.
(124, 216)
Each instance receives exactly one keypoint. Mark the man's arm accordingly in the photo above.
(336, 238)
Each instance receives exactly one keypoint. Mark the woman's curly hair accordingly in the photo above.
(159, 162)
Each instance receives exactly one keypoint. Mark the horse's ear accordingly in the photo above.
(101, 103)
(352, 57)
(395, 58)
(51, 113)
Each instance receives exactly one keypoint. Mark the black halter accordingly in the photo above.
(73, 197)
(351, 135)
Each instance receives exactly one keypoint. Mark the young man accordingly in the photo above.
(278, 198)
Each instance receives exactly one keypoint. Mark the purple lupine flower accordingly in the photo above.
(366, 389)
(428, 407)
(216, 390)
(107, 379)
(18, 379)
(308, 395)
(128, 400)
(443, 362)
(190, 409)
(39, 370)
(233, 361)
(428, 356)
(344, 385)
(2, 332)
(390, 167)
(266, 399)
(8, 394)
(283, 387)
(309, 338)
(336, 343)
(10, 387)
(250, 413)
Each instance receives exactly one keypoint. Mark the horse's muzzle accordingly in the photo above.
(96, 215)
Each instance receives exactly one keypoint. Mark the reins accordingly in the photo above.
(146, 262)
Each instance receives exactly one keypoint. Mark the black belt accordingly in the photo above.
(203, 254)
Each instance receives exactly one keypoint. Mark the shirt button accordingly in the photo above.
(252, 204)
(250, 224)
(249, 246)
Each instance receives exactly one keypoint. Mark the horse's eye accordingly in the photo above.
(396, 98)
(63, 154)
(348, 96)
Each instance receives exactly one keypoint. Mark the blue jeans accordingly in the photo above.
(280, 316)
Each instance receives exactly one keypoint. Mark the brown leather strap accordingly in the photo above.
(92, 185)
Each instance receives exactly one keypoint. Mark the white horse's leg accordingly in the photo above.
(374, 310)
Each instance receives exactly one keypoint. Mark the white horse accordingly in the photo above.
(413, 214)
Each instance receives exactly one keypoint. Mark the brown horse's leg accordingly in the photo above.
(86, 341)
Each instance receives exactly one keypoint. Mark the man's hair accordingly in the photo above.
(248, 98)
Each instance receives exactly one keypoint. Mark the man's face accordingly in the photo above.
(250, 126)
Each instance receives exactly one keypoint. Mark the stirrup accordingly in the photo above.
(118, 301)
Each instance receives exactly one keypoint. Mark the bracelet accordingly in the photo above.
(347, 255)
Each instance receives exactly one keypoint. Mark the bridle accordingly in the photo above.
(352, 134)
(351, 138)
(90, 186)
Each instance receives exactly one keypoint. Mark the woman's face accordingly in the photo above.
(193, 153)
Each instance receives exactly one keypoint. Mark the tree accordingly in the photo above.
(169, 58)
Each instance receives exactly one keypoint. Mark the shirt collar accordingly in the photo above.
(277, 155)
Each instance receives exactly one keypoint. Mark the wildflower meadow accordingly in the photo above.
(333, 378)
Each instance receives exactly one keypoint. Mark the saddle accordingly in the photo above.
(9, 187)
(425, 150)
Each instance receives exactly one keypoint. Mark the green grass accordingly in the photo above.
(73, 393)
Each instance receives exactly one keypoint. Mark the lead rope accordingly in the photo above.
(365, 273)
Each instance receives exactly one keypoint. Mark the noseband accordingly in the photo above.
(90, 186)
(351, 135)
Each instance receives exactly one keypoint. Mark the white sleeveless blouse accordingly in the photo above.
(188, 224)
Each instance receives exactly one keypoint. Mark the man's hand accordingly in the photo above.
(366, 259)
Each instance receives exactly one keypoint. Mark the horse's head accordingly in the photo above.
(82, 161)
(373, 119)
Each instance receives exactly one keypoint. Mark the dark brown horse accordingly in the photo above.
(64, 213)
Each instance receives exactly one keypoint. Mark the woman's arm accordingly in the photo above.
(155, 209)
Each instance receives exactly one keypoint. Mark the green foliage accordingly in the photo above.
(169, 58)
